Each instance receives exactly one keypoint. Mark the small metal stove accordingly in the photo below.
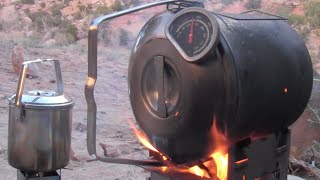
(21, 175)
(263, 159)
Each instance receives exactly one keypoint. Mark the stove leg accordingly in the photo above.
(21, 175)
(155, 176)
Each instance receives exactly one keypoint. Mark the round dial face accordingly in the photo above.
(193, 32)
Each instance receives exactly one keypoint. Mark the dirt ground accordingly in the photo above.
(113, 110)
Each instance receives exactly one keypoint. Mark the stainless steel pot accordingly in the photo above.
(39, 126)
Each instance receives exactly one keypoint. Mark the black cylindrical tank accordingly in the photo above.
(257, 80)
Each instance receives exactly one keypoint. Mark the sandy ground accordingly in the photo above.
(113, 110)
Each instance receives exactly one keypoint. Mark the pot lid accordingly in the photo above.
(43, 98)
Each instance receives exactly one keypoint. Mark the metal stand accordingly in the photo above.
(264, 159)
(22, 175)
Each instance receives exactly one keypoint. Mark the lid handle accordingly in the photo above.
(23, 74)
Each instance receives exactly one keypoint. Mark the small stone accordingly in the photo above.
(137, 149)
(81, 127)
(111, 152)
(53, 81)
(2, 150)
(73, 156)
(125, 151)
(2, 96)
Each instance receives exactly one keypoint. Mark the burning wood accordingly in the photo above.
(215, 166)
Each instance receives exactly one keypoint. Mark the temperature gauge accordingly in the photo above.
(194, 32)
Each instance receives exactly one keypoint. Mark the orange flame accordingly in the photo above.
(197, 171)
(218, 164)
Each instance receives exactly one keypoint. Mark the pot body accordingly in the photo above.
(257, 80)
(39, 138)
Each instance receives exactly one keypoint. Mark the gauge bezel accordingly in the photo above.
(213, 41)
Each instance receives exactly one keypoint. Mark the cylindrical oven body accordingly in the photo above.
(257, 80)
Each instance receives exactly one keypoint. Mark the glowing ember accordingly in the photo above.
(218, 163)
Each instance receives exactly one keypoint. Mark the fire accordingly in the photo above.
(197, 171)
(217, 162)
(221, 161)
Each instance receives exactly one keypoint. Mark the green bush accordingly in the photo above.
(117, 6)
(312, 10)
(253, 4)
(297, 19)
(27, 1)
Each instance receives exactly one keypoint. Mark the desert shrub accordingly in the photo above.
(27, 11)
(297, 19)
(52, 21)
(116, 6)
(283, 10)
(317, 32)
(135, 2)
(86, 9)
(124, 37)
(71, 38)
(227, 2)
(77, 15)
(61, 39)
(27, 1)
(66, 2)
(34, 15)
(253, 4)
(42, 4)
(304, 32)
(72, 31)
(312, 10)
(104, 35)
(37, 19)
(56, 9)
(128, 3)
(102, 10)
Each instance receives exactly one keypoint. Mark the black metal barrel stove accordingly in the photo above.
(250, 74)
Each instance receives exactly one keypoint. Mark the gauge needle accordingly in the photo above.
(191, 32)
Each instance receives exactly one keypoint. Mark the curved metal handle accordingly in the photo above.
(92, 67)
(23, 74)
